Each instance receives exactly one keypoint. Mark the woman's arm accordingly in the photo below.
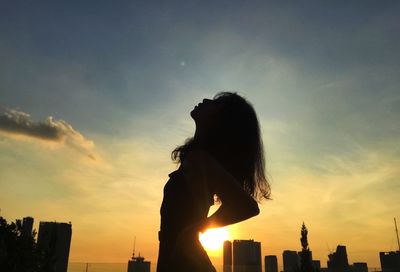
(237, 205)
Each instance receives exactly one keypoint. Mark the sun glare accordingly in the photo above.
(213, 239)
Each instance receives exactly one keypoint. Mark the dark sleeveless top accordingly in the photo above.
(180, 248)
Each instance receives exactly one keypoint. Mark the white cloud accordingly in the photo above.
(15, 123)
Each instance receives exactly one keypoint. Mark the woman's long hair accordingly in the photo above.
(236, 143)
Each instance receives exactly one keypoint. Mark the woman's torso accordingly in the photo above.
(182, 207)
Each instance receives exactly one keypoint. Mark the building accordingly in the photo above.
(27, 225)
(390, 261)
(291, 261)
(246, 256)
(227, 256)
(53, 242)
(305, 259)
(138, 264)
(360, 267)
(316, 264)
(337, 261)
(271, 263)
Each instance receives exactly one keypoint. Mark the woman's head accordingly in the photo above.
(227, 128)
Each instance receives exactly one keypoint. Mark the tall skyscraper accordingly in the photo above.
(54, 241)
(246, 256)
(271, 263)
(390, 261)
(227, 256)
(291, 261)
(338, 261)
(138, 264)
(27, 225)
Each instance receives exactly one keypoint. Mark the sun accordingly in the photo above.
(213, 239)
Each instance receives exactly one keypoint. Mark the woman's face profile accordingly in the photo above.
(205, 113)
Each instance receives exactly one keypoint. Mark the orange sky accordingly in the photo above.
(93, 100)
(111, 201)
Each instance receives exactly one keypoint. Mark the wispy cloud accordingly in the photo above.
(16, 122)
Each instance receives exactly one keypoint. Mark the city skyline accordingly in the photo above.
(242, 246)
(95, 96)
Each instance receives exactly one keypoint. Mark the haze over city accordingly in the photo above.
(94, 96)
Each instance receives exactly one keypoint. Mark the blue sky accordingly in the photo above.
(323, 77)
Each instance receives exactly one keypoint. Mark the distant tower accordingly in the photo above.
(54, 241)
(305, 253)
(338, 261)
(271, 263)
(304, 239)
(246, 256)
(390, 261)
(138, 264)
(291, 262)
(27, 225)
(227, 256)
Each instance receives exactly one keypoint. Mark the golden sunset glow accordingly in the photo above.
(213, 239)
(93, 101)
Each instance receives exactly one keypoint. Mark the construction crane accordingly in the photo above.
(397, 233)
(134, 245)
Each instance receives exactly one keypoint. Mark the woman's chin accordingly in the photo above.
(193, 113)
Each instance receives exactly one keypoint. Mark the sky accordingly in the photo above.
(94, 95)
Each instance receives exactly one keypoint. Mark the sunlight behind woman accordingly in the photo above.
(213, 239)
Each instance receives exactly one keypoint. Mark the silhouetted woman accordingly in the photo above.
(223, 159)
